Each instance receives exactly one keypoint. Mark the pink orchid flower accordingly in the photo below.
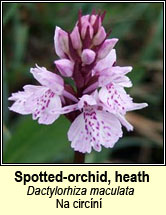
(98, 106)
(43, 102)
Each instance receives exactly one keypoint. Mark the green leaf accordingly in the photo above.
(34, 143)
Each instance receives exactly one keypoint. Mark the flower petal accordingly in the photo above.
(41, 103)
(136, 106)
(115, 75)
(105, 63)
(46, 117)
(64, 110)
(91, 88)
(123, 81)
(69, 96)
(94, 128)
(86, 100)
(20, 100)
(99, 37)
(48, 79)
(85, 26)
(77, 135)
(121, 70)
(115, 99)
(125, 123)
(107, 46)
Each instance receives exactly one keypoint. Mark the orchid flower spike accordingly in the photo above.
(98, 103)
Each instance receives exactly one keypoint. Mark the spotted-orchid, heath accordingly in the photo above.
(98, 103)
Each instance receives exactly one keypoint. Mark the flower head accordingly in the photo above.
(98, 104)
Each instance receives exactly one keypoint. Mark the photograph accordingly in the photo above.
(83, 83)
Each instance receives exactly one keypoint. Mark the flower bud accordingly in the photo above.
(61, 42)
(106, 47)
(88, 56)
(75, 37)
(84, 29)
(93, 19)
(85, 19)
(65, 67)
(99, 37)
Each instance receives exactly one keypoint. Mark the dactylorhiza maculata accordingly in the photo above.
(97, 104)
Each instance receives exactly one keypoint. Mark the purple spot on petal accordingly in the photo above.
(106, 127)
(47, 103)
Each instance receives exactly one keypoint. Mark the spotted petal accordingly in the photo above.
(115, 75)
(92, 129)
(38, 101)
(86, 100)
(117, 101)
(41, 104)
(19, 99)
